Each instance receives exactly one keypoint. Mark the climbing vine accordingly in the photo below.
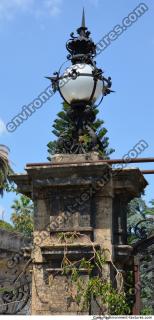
(96, 286)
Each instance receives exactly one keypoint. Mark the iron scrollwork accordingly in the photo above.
(142, 229)
(15, 287)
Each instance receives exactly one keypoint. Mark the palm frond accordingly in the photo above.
(5, 172)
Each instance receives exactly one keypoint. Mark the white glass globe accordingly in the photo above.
(80, 89)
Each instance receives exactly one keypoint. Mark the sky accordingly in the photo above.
(33, 34)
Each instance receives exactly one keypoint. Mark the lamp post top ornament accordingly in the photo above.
(80, 86)
(81, 47)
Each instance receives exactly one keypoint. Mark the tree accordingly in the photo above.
(5, 171)
(150, 210)
(22, 215)
(137, 210)
(6, 226)
(64, 129)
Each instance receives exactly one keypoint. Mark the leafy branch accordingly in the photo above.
(97, 286)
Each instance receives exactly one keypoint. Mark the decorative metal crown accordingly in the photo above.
(81, 47)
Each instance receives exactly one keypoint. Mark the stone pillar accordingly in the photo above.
(80, 194)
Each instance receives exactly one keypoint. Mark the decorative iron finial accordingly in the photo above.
(82, 30)
(83, 24)
(81, 47)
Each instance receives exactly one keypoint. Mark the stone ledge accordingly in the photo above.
(123, 253)
(60, 158)
(75, 250)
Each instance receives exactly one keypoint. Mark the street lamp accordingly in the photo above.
(82, 83)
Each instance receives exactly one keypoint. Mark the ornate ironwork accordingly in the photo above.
(15, 289)
(82, 51)
(142, 229)
(81, 118)
(143, 249)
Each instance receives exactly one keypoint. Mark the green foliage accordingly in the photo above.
(6, 226)
(68, 237)
(138, 211)
(22, 215)
(150, 210)
(108, 299)
(129, 287)
(63, 127)
(96, 286)
(147, 311)
(5, 171)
